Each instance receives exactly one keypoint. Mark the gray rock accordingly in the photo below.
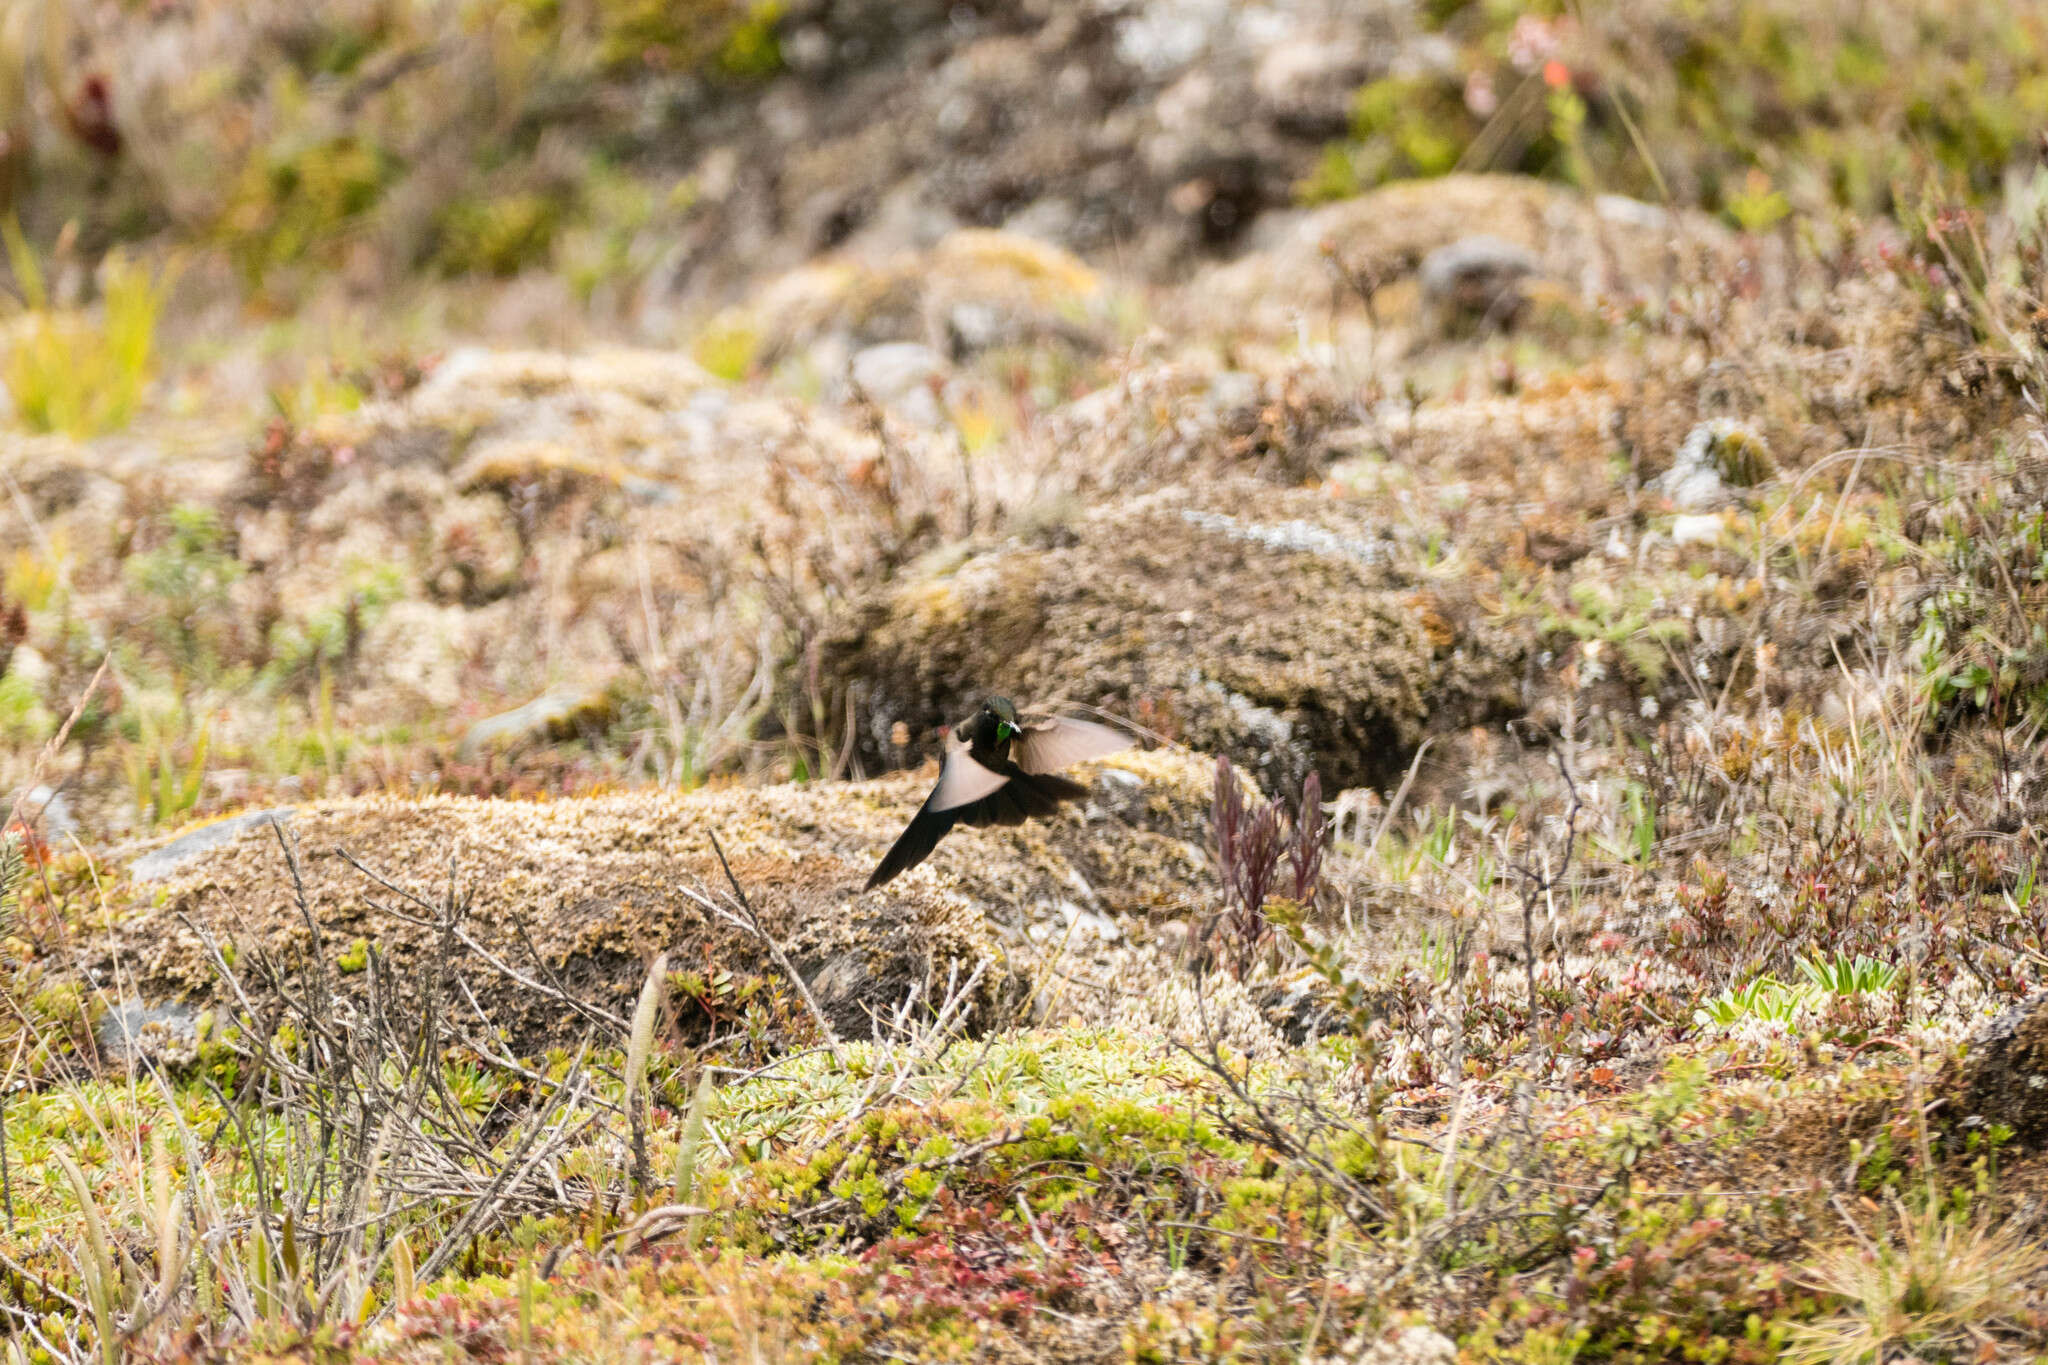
(1166, 35)
(1616, 208)
(1050, 219)
(1075, 922)
(1409, 1346)
(159, 1035)
(159, 863)
(2003, 1075)
(974, 325)
(900, 375)
(650, 492)
(1475, 282)
(1690, 486)
(28, 665)
(1233, 391)
(46, 806)
(555, 715)
(807, 49)
(1306, 84)
(1713, 457)
(1119, 793)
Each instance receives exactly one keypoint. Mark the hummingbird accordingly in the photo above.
(999, 768)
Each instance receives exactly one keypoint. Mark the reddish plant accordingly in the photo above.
(1250, 843)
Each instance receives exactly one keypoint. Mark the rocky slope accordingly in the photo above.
(1653, 595)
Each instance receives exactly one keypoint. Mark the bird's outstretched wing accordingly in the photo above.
(963, 791)
(1025, 795)
(1049, 744)
(962, 781)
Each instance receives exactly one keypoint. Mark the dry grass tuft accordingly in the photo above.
(1941, 1287)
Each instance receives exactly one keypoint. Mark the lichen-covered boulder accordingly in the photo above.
(1475, 283)
(1268, 625)
(971, 290)
(587, 891)
(2003, 1075)
(1589, 247)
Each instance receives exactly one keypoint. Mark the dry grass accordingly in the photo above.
(1941, 1284)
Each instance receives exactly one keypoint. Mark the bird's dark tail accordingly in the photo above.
(914, 845)
(1017, 800)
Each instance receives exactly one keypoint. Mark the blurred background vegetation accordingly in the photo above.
(387, 139)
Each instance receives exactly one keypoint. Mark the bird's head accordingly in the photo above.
(1004, 714)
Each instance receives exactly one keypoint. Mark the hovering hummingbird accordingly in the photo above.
(999, 769)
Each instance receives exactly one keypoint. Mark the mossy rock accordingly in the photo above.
(1267, 625)
(2002, 1078)
(1587, 245)
(1740, 455)
(595, 887)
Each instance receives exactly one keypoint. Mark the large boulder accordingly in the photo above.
(972, 290)
(2002, 1077)
(1267, 625)
(587, 891)
(1588, 247)
(1475, 283)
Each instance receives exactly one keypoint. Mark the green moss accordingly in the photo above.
(735, 37)
(24, 720)
(728, 348)
(1410, 126)
(1818, 101)
(1335, 177)
(62, 1004)
(752, 51)
(500, 236)
(295, 202)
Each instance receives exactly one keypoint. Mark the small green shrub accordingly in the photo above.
(188, 577)
(500, 236)
(1766, 999)
(1843, 975)
(1770, 1000)
(24, 720)
(752, 50)
(1409, 126)
(328, 634)
(1631, 618)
